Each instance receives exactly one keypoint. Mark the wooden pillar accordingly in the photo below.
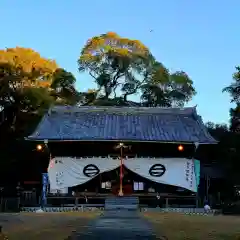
(76, 202)
(197, 202)
(100, 183)
(166, 204)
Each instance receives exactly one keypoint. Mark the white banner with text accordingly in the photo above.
(68, 172)
(172, 171)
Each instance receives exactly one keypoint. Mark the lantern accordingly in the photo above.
(39, 147)
(180, 148)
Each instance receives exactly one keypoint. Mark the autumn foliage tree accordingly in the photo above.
(30, 83)
(37, 70)
(126, 66)
(115, 63)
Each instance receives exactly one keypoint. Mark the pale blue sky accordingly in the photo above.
(200, 37)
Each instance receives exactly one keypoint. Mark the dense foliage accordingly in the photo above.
(234, 90)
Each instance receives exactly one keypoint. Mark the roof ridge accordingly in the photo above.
(107, 109)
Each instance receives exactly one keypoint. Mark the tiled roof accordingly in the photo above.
(122, 123)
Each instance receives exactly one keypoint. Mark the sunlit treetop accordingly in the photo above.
(30, 62)
(111, 42)
(28, 59)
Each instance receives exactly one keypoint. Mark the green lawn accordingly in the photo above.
(47, 226)
(179, 226)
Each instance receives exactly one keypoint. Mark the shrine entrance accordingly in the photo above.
(127, 183)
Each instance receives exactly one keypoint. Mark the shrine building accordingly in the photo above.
(138, 151)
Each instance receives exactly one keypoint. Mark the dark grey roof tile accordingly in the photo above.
(136, 124)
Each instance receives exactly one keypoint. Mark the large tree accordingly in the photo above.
(226, 152)
(233, 141)
(30, 83)
(234, 90)
(115, 63)
(125, 66)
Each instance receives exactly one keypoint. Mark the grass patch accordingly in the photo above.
(52, 226)
(176, 226)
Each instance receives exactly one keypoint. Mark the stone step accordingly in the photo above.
(129, 200)
(130, 203)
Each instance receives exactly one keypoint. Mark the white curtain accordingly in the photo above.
(172, 171)
(68, 172)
